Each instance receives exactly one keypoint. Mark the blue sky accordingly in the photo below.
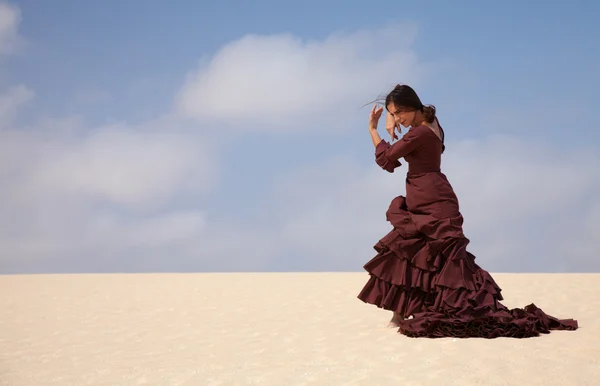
(228, 136)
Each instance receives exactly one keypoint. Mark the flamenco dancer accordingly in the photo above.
(423, 272)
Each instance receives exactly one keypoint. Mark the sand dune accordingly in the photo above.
(272, 329)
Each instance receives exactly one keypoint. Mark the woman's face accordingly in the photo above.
(402, 115)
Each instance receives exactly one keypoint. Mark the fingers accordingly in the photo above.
(376, 112)
(392, 133)
(396, 127)
(375, 115)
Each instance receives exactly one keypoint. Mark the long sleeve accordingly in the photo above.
(387, 156)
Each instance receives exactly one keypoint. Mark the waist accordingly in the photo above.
(422, 172)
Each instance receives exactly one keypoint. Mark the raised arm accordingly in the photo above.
(387, 156)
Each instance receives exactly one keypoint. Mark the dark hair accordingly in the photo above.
(404, 97)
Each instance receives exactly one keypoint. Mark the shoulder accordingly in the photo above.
(425, 131)
(417, 132)
(422, 129)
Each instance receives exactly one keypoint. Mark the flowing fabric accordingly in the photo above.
(423, 271)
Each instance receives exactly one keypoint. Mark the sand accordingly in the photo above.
(275, 329)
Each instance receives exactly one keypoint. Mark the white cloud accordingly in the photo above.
(10, 18)
(119, 164)
(282, 83)
(76, 192)
(124, 166)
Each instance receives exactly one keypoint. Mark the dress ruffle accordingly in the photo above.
(436, 281)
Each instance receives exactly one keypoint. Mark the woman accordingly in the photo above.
(423, 271)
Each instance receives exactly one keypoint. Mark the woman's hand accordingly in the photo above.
(391, 126)
(374, 117)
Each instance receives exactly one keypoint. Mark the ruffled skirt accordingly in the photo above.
(424, 273)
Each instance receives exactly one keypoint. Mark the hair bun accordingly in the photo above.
(429, 113)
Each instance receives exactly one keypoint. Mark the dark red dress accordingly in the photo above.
(423, 268)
